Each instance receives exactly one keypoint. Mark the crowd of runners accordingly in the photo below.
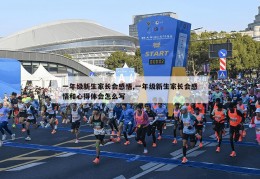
(232, 104)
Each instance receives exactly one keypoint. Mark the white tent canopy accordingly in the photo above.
(125, 66)
(96, 69)
(26, 76)
(45, 77)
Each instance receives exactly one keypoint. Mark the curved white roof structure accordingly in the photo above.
(57, 33)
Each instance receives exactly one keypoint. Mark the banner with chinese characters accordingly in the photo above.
(96, 90)
(10, 76)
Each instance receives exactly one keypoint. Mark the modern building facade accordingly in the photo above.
(53, 63)
(79, 39)
(137, 18)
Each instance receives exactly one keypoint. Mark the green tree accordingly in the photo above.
(118, 59)
(246, 52)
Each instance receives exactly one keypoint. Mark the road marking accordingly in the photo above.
(120, 177)
(142, 158)
(25, 166)
(213, 144)
(33, 152)
(166, 168)
(189, 152)
(147, 171)
(66, 155)
(30, 158)
(15, 139)
(83, 141)
(148, 165)
(196, 153)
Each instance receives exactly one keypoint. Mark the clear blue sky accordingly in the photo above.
(216, 15)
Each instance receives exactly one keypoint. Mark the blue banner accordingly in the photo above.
(10, 76)
(181, 44)
(164, 43)
(157, 38)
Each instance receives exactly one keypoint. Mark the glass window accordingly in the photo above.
(70, 71)
(53, 68)
(28, 68)
(62, 69)
(27, 63)
(34, 66)
(91, 43)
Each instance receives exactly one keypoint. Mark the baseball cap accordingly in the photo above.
(96, 108)
(184, 108)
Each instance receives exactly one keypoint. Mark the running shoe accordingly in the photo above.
(174, 141)
(184, 160)
(23, 130)
(48, 125)
(13, 126)
(76, 141)
(53, 131)
(28, 138)
(145, 151)
(3, 137)
(96, 161)
(140, 142)
(233, 154)
(218, 149)
(13, 136)
(159, 137)
(127, 143)
(42, 124)
(154, 145)
(201, 145)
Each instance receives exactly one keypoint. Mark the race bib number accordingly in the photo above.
(233, 119)
(99, 131)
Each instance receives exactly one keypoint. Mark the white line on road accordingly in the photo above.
(25, 166)
(66, 155)
(120, 177)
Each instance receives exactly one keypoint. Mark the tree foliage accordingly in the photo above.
(118, 59)
(246, 52)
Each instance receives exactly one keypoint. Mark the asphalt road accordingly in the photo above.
(57, 156)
